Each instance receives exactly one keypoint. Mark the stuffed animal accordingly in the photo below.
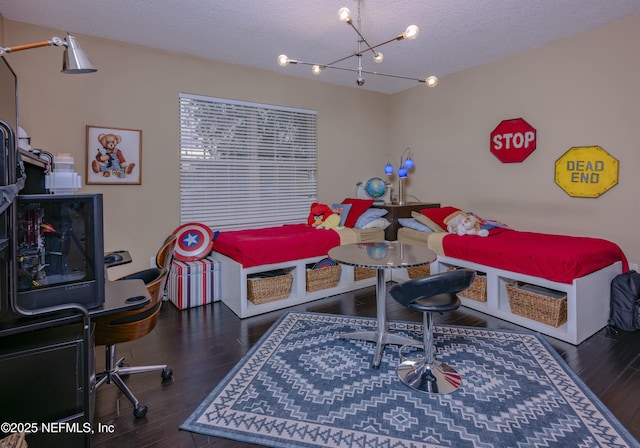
(464, 224)
(109, 159)
(321, 217)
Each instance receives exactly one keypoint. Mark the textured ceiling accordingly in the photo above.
(455, 35)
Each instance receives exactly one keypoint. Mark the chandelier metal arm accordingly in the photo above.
(292, 61)
(362, 39)
(369, 48)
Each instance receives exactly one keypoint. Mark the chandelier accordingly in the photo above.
(344, 14)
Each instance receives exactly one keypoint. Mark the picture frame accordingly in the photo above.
(114, 156)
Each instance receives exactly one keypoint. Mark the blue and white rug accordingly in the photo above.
(303, 386)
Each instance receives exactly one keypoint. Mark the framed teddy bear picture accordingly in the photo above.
(114, 156)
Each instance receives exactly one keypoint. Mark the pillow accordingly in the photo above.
(358, 207)
(368, 216)
(414, 224)
(427, 222)
(439, 214)
(342, 210)
(380, 223)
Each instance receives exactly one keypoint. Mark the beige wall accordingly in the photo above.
(138, 88)
(577, 92)
(580, 91)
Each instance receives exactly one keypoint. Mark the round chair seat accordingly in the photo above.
(439, 303)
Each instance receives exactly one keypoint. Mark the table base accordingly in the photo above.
(380, 336)
(381, 339)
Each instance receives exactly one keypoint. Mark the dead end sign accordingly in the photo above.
(513, 140)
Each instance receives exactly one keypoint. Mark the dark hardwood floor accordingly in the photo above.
(202, 344)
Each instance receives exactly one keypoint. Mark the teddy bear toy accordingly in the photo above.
(464, 224)
(109, 159)
(321, 217)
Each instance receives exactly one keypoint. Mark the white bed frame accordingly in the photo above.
(234, 285)
(587, 298)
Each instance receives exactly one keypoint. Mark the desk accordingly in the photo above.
(381, 256)
(54, 346)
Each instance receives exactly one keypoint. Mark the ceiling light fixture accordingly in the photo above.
(344, 14)
(74, 60)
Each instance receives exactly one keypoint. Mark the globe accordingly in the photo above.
(375, 187)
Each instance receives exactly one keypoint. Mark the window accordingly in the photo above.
(245, 165)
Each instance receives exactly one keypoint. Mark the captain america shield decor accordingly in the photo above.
(194, 241)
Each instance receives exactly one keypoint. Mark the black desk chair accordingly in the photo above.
(435, 293)
(128, 326)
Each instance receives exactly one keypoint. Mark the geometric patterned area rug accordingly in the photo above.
(301, 385)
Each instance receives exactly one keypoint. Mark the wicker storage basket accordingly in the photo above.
(324, 278)
(269, 288)
(363, 273)
(540, 304)
(419, 271)
(478, 289)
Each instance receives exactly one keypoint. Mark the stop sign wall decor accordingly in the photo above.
(513, 140)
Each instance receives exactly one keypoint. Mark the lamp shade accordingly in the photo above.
(388, 169)
(409, 164)
(75, 60)
(402, 172)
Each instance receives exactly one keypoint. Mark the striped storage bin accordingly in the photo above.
(194, 283)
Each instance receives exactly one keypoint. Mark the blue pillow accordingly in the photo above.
(368, 216)
(414, 224)
(342, 210)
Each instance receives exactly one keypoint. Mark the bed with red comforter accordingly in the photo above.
(270, 245)
(559, 258)
(292, 248)
(580, 267)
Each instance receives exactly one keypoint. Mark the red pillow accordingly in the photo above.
(439, 214)
(358, 207)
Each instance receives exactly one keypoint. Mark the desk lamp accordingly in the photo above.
(406, 164)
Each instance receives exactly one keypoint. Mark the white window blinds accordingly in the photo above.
(245, 165)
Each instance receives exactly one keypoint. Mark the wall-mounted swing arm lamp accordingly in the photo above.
(344, 14)
(75, 60)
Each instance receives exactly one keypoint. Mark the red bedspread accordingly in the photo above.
(553, 257)
(275, 244)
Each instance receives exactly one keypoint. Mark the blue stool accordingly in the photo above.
(436, 293)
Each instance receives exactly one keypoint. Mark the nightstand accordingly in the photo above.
(401, 211)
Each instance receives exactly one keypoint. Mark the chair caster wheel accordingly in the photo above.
(140, 412)
(167, 374)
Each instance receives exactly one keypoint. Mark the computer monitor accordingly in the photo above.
(60, 250)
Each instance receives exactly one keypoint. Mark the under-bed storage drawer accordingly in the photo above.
(265, 287)
(322, 278)
(540, 304)
(478, 289)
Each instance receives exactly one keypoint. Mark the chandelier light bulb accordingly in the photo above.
(316, 69)
(411, 32)
(431, 81)
(283, 60)
(379, 57)
(344, 14)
